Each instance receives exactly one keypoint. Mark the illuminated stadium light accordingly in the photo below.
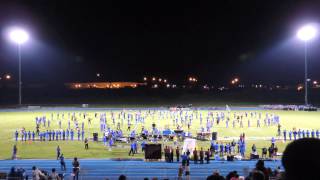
(164, 80)
(168, 85)
(153, 79)
(145, 78)
(160, 79)
(190, 78)
(18, 35)
(98, 75)
(307, 33)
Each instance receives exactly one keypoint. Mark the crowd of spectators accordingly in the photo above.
(297, 166)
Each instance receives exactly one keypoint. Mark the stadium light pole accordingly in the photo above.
(306, 33)
(19, 36)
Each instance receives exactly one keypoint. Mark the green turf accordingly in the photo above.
(10, 121)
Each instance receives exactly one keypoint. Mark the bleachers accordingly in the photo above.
(101, 169)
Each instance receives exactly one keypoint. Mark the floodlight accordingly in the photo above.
(307, 32)
(19, 36)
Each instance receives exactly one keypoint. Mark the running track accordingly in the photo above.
(103, 168)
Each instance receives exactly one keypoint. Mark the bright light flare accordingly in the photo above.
(307, 33)
(192, 79)
(18, 36)
(8, 77)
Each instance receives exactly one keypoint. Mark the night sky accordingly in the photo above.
(126, 40)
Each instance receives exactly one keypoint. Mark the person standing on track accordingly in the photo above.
(58, 152)
(62, 163)
(76, 168)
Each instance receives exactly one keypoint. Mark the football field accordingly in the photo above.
(10, 121)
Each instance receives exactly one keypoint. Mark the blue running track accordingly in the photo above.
(102, 169)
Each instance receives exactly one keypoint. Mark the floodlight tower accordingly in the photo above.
(306, 33)
(19, 36)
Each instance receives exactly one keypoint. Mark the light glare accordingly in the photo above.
(19, 36)
(307, 33)
(8, 76)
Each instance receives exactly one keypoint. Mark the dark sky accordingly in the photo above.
(125, 40)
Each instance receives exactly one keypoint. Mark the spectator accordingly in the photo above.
(260, 167)
(277, 173)
(299, 167)
(215, 176)
(14, 175)
(122, 177)
(256, 175)
(37, 174)
(76, 168)
(54, 175)
(232, 175)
